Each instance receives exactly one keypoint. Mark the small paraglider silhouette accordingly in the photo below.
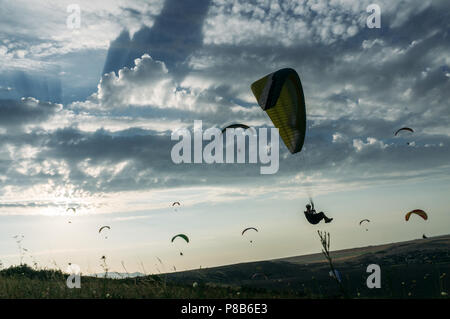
(186, 238)
(364, 220)
(102, 228)
(247, 229)
(237, 126)
(243, 126)
(73, 210)
(175, 204)
(405, 129)
(183, 236)
(418, 212)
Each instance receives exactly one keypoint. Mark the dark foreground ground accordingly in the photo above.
(414, 269)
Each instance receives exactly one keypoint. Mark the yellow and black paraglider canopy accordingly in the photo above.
(280, 94)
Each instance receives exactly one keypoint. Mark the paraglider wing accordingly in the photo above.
(280, 94)
(103, 227)
(176, 203)
(248, 229)
(243, 126)
(364, 220)
(186, 238)
(71, 208)
(419, 212)
(404, 129)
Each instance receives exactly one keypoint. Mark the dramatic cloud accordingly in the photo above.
(14, 114)
(113, 134)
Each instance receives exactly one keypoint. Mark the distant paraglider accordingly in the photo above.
(186, 238)
(364, 220)
(404, 129)
(280, 95)
(73, 210)
(243, 126)
(183, 236)
(174, 206)
(247, 229)
(418, 212)
(102, 228)
(236, 126)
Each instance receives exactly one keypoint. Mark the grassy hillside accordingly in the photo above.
(415, 269)
(25, 282)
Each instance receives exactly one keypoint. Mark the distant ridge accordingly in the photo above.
(118, 275)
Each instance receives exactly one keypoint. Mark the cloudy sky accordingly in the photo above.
(86, 116)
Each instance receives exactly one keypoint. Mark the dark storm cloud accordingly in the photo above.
(345, 62)
(149, 165)
(14, 114)
(367, 153)
(175, 34)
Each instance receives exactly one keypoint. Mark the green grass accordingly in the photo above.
(19, 282)
(415, 273)
(25, 282)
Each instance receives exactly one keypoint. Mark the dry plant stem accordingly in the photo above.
(325, 241)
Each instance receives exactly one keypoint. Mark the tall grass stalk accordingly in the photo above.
(325, 241)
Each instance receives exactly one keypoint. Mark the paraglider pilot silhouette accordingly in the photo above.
(313, 217)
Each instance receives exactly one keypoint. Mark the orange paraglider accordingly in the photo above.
(419, 212)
